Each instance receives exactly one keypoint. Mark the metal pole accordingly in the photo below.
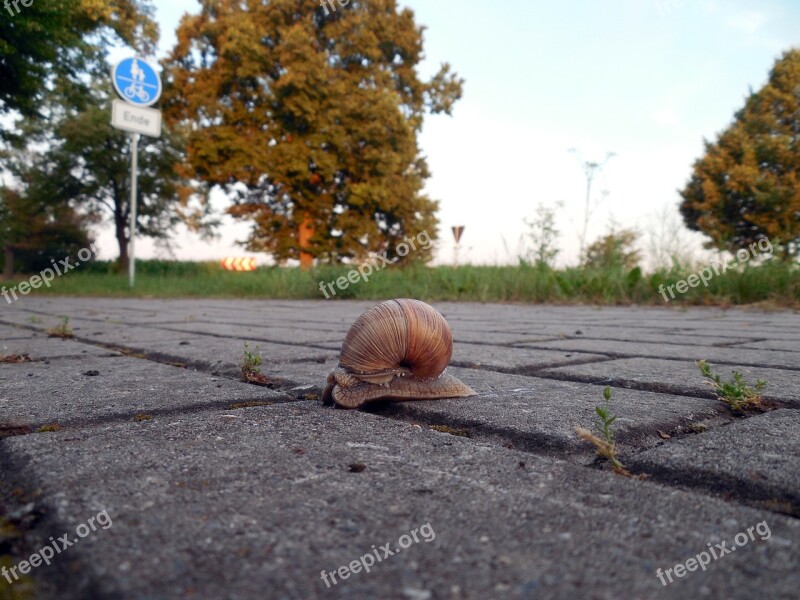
(134, 175)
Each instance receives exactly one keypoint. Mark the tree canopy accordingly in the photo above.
(747, 186)
(308, 118)
(53, 42)
(87, 166)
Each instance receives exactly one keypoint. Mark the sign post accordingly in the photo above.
(132, 226)
(139, 85)
(458, 231)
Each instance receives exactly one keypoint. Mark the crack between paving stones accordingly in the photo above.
(659, 388)
(721, 486)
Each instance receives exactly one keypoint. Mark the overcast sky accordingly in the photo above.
(646, 79)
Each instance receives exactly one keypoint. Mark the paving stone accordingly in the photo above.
(262, 334)
(8, 332)
(224, 356)
(753, 458)
(736, 356)
(540, 415)
(44, 348)
(93, 389)
(679, 377)
(783, 345)
(211, 501)
(261, 501)
(503, 357)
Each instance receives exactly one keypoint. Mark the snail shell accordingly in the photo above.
(398, 350)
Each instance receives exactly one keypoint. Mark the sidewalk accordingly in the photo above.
(221, 489)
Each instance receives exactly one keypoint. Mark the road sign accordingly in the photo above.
(137, 82)
(238, 263)
(136, 119)
(458, 230)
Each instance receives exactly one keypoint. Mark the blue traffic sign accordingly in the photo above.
(137, 82)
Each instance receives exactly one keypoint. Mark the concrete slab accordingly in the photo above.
(69, 393)
(221, 356)
(678, 377)
(44, 348)
(735, 356)
(540, 415)
(753, 458)
(506, 358)
(8, 332)
(276, 334)
(217, 505)
(211, 500)
(774, 344)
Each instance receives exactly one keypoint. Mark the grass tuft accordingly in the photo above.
(251, 368)
(52, 428)
(736, 392)
(63, 330)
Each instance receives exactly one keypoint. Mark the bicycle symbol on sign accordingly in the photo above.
(136, 88)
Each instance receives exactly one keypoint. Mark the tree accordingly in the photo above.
(615, 250)
(88, 166)
(53, 42)
(747, 185)
(308, 118)
(34, 230)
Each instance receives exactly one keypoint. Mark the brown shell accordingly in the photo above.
(398, 334)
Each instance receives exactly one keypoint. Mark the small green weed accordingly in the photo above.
(61, 331)
(603, 437)
(736, 392)
(251, 367)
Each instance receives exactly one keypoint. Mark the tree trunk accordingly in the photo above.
(305, 233)
(122, 242)
(8, 264)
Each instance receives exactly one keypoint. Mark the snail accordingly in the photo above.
(397, 350)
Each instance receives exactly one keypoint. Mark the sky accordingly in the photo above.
(648, 80)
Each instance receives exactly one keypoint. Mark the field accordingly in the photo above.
(772, 284)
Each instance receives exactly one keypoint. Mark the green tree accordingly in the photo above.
(615, 250)
(747, 186)
(34, 230)
(52, 43)
(308, 118)
(87, 165)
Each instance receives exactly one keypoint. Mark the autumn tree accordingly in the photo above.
(53, 43)
(747, 186)
(307, 116)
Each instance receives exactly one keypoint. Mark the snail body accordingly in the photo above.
(396, 350)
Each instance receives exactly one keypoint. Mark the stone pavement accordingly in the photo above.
(138, 444)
